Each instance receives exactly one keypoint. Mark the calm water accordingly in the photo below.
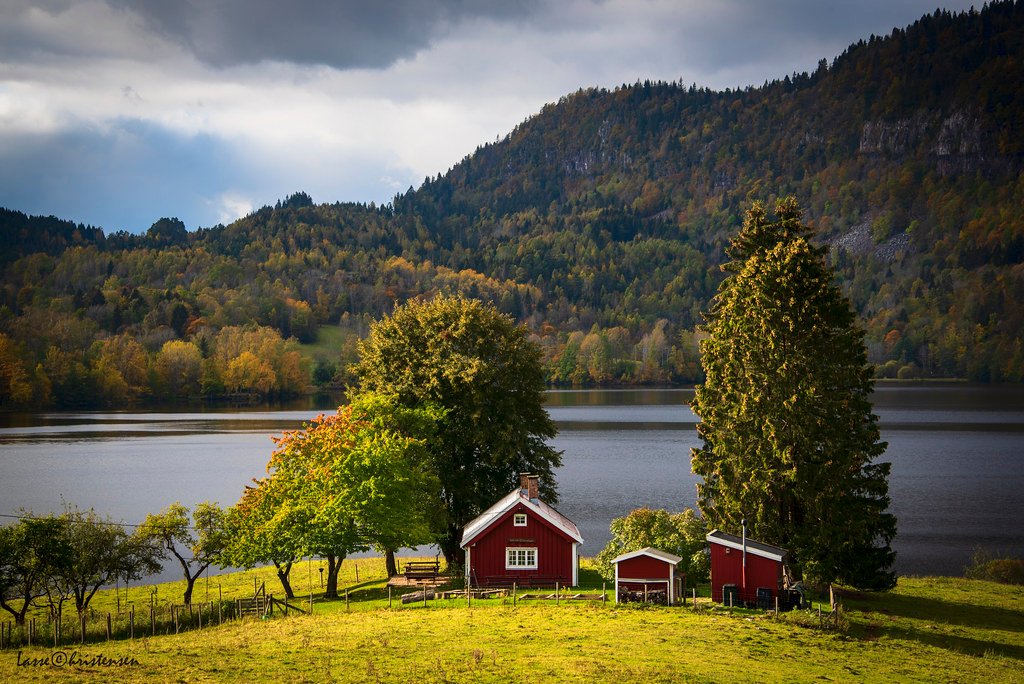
(957, 476)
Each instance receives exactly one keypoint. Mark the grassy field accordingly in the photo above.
(927, 630)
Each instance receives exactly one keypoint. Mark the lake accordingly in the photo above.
(957, 477)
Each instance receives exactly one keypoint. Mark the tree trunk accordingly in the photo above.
(283, 570)
(189, 584)
(449, 544)
(333, 567)
(19, 615)
(389, 563)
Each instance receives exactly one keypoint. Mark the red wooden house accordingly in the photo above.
(522, 540)
(647, 575)
(745, 571)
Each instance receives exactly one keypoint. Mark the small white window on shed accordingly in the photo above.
(519, 520)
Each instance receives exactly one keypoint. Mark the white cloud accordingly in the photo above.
(281, 119)
(231, 206)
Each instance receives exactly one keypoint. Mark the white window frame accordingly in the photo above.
(519, 520)
(518, 557)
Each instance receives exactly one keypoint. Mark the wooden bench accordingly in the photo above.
(422, 569)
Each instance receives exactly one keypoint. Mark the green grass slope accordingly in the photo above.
(926, 630)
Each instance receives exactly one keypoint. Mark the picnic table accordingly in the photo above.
(422, 569)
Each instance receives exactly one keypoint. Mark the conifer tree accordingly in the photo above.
(789, 437)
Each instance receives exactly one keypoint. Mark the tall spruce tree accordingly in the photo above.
(789, 437)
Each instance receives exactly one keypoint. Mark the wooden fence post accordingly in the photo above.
(82, 618)
(514, 593)
(604, 592)
(108, 625)
(200, 616)
(389, 596)
(556, 593)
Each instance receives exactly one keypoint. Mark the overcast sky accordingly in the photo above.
(118, 112)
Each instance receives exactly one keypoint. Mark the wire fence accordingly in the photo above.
(94, 627)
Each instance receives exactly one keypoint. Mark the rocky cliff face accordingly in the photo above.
(955, 143)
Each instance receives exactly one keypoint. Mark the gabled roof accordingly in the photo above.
(652, 552)
(509, 501)
(755, 547)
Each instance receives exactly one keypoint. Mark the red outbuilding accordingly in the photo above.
(522, 540)
(745, 571)
(647, 575)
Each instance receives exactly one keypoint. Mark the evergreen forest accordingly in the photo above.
(600, 223)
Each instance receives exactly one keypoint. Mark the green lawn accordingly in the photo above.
(927, 630)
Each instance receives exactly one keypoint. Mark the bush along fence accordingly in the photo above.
(132, 623)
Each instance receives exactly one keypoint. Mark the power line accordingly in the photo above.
(112, 523)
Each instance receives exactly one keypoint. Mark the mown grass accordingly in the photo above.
(927, 630)
(331, 341)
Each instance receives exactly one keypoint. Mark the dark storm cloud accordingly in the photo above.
(749, 35)
(346, 34)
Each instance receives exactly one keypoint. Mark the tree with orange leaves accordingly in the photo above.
(344, 483)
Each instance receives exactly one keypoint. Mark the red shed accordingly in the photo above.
(521, 539)
(647, 571)
(749, 571)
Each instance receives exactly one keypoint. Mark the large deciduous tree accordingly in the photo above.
(357, 479)
(478, 365)
(345, 483)
(196, 546)
(789, 437)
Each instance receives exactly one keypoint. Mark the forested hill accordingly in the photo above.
(906, 152)
(600, 222)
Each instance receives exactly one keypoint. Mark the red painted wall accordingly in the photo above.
(727, 568)
(643, 567)
(554, 549)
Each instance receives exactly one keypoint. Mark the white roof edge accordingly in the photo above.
(652, 552)
(713, 536)
(503, 505)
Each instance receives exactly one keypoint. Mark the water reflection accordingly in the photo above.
(957, 477)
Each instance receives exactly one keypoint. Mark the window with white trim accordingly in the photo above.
(520, 558)
(519, 520)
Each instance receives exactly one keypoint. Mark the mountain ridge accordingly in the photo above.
(600, 222)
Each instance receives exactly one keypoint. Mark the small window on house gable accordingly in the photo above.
(519, 520)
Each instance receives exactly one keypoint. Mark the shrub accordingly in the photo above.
(1005, 570)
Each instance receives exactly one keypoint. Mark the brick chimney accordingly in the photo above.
(531, 483)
